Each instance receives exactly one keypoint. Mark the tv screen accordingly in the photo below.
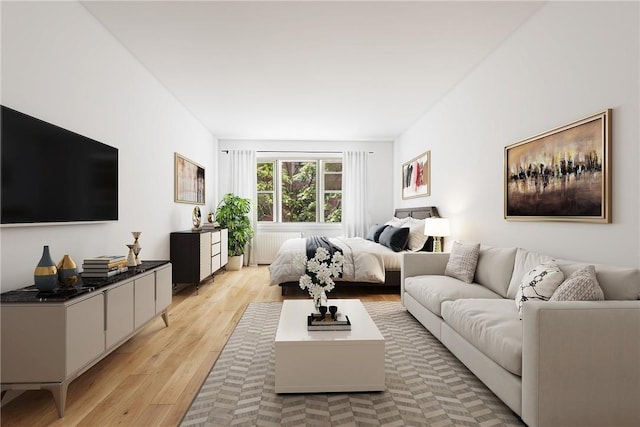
(53, 175)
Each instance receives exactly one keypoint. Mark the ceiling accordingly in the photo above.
(310, 70)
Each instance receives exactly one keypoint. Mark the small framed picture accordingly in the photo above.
(189, 181)
(416, 176)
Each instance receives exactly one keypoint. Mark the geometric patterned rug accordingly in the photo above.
(425, 384)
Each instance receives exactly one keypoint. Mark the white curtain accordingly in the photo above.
(355, 209)
(244, 184)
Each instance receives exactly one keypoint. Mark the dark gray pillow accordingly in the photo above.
(375, 231)
(395, 238)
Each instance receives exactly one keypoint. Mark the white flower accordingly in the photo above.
(320, 270)
(338, 259)
(300, 261)
(322, 254)
(313, 265)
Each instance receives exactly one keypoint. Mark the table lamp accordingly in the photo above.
(437, 228)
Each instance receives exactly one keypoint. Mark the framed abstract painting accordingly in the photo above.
(189, 181)
(561, 175)
(416, 176)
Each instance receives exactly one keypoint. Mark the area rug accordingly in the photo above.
(426, 384)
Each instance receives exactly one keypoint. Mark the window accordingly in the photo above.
(300, 190)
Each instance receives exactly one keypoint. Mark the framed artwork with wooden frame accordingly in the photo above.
(561, 175)
(416, 176)
(189, 181)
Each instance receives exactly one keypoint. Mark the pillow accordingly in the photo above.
(539, 284)
(581, 285)
(375, 231)
(394, 238)
(397, 222)
(463, 261)
(417, 239)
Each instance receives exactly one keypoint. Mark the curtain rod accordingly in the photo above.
(295, 151)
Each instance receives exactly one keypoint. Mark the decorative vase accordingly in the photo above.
(131, 257)
(46, 274)
(67, 271)
(319, 300)
(136, 246)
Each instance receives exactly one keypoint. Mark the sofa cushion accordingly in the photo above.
(463, 261)
(581, 285)
(525, 260)
(432, 291)
(495, 268)
(492, 326)
(539, 284)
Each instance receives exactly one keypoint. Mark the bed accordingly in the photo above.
(367, 263)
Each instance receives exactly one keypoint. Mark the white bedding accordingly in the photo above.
(365, 261)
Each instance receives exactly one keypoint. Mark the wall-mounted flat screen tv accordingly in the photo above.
(53, 175)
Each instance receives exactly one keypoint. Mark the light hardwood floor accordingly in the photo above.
(152, 378)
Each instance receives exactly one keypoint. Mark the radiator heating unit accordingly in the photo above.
(269, 243)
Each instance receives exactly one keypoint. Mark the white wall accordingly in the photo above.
(60, 65)
(380, 175)
(570, 60)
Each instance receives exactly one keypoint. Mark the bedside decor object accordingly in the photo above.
(136, 246)
(437, 228)
(416, 176)
(318, 274)
(196, 218)
(561, 175)
(45, 275)
(233, 214)
(189, 181)
(67, 271)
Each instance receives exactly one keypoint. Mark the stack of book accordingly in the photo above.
(104, 266)
(316, 322)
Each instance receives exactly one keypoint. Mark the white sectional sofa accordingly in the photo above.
(568, 363)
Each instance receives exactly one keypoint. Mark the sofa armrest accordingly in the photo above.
(581, 363)
(421, 263)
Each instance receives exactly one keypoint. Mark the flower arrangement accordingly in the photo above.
(319, 272)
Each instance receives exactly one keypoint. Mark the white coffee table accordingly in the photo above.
(328, 361)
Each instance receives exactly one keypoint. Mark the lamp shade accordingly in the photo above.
(437, 227)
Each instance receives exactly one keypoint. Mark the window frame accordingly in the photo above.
(320, 186)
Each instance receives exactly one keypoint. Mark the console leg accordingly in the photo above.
(59, 392)
(165, 318)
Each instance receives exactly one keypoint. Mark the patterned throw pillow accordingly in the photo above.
(539, 284)
(463, 261)
(581, 285)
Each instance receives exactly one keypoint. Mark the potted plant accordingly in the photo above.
(233, 214)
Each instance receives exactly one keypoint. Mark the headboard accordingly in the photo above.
(417, 213)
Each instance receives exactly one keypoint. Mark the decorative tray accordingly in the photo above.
(316, 322)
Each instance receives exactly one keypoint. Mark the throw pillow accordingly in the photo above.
(394, 238)
(581, 285)
(417, 239)
(396, 222)
(463, 261)
(375, 231)
(539, 284)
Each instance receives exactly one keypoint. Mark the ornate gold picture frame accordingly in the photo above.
(561, 175)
